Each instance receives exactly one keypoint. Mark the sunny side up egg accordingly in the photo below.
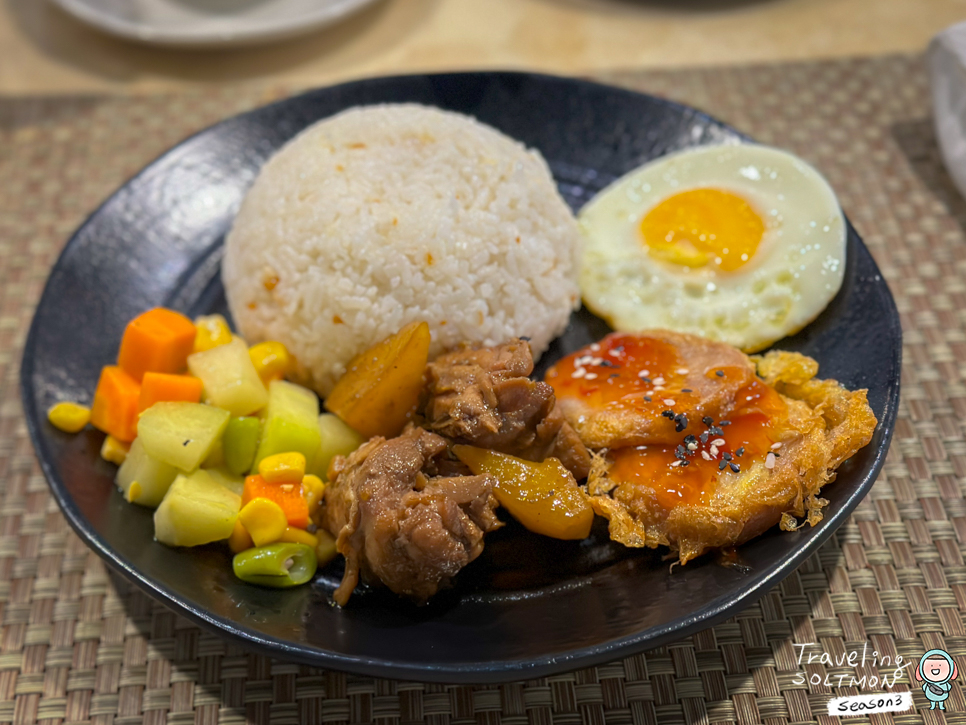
(739, 243)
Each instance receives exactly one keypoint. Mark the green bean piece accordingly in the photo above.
(276, 565)
(240, 442)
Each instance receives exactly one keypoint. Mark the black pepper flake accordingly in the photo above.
(734, 467)
(684, 463)
(704, 437)
(685, 390)
(707, 420)
(525, 338)
(776, 455)
(646, 380)
(668, 414)
(721, 466)
(719, 373)
(724, 423)
(680, 453)
(727, 456)
(186, 442)
(740, 451)
(607, 364)
(681, 422)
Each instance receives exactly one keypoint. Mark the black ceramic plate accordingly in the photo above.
(529, 606)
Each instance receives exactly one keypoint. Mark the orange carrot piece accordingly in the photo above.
(115, 409)
(159, 341)
(287, 495)
(157, 387)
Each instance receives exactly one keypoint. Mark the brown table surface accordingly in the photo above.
(77, 645)
(43, 50)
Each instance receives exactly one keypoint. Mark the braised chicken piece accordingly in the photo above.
(398, 521)
(484, 397)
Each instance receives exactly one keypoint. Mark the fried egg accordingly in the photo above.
(740, 243)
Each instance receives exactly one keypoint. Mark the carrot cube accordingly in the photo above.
(157, 387)
(287, 495)
(159, 341)
(115, 409)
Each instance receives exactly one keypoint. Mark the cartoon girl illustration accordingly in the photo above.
(936, 671)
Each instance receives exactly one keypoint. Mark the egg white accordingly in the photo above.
(796, 271)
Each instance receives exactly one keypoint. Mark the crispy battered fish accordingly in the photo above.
(633, 378)
(740, 464)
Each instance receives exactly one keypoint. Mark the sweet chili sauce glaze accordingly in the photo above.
(645, 374)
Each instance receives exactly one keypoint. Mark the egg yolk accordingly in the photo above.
(701, 226)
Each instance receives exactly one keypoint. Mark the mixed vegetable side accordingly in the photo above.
(245, 466)
(207, 431)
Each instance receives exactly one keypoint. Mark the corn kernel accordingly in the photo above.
(114, 451)
(212, 331)
(271, 359)
(69, 417)
(293, 535)
(264, 521)
(240, 540)
(312, 489)
(133, 492)
(282, 468)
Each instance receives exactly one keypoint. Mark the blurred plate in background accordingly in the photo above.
(210, 23)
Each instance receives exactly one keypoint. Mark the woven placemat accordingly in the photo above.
(78, 645)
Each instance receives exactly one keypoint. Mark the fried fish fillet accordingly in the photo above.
(762, 460)
(634, 374)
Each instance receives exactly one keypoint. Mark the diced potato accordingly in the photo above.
(380, 390)
(240, 443)
(338, 439)
(544, 497)
(229, 377)
(291, 423)
(226, 478)
(196, 510)
(181, 434)
(143, 478)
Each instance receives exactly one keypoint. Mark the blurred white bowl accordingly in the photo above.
(210, 23)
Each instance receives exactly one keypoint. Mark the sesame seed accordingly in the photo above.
(590, 376)
(659, 381)
(718, 442)
(770, 461)
(689, 438)
(668, 413)
(734, 467)
(705, 455)
(714, 450)
(595, 346)
(579, 373)
(740, 451)
(676, 463)
(724, 423)
(685, 390)
(707, 420)
(727, 456)
(647, 399)
(692, 446)
(608, 364)
(645, 380)
(715, 431)
(776, 455)
(644, 373)
(721, 466)
(685, 463)
(776, 446)
(669, 401)
(682, 371)
(704, 437)
(719, 373)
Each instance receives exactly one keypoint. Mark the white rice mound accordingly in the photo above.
(384, 215)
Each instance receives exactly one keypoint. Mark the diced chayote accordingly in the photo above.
(338, 439)
(230, 379)
(196, 510)
(143, 478)
(291, 422)
(181, 434)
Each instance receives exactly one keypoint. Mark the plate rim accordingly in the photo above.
(207, 37)
(489, 672)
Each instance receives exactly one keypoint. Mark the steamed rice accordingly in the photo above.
(383, 215)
